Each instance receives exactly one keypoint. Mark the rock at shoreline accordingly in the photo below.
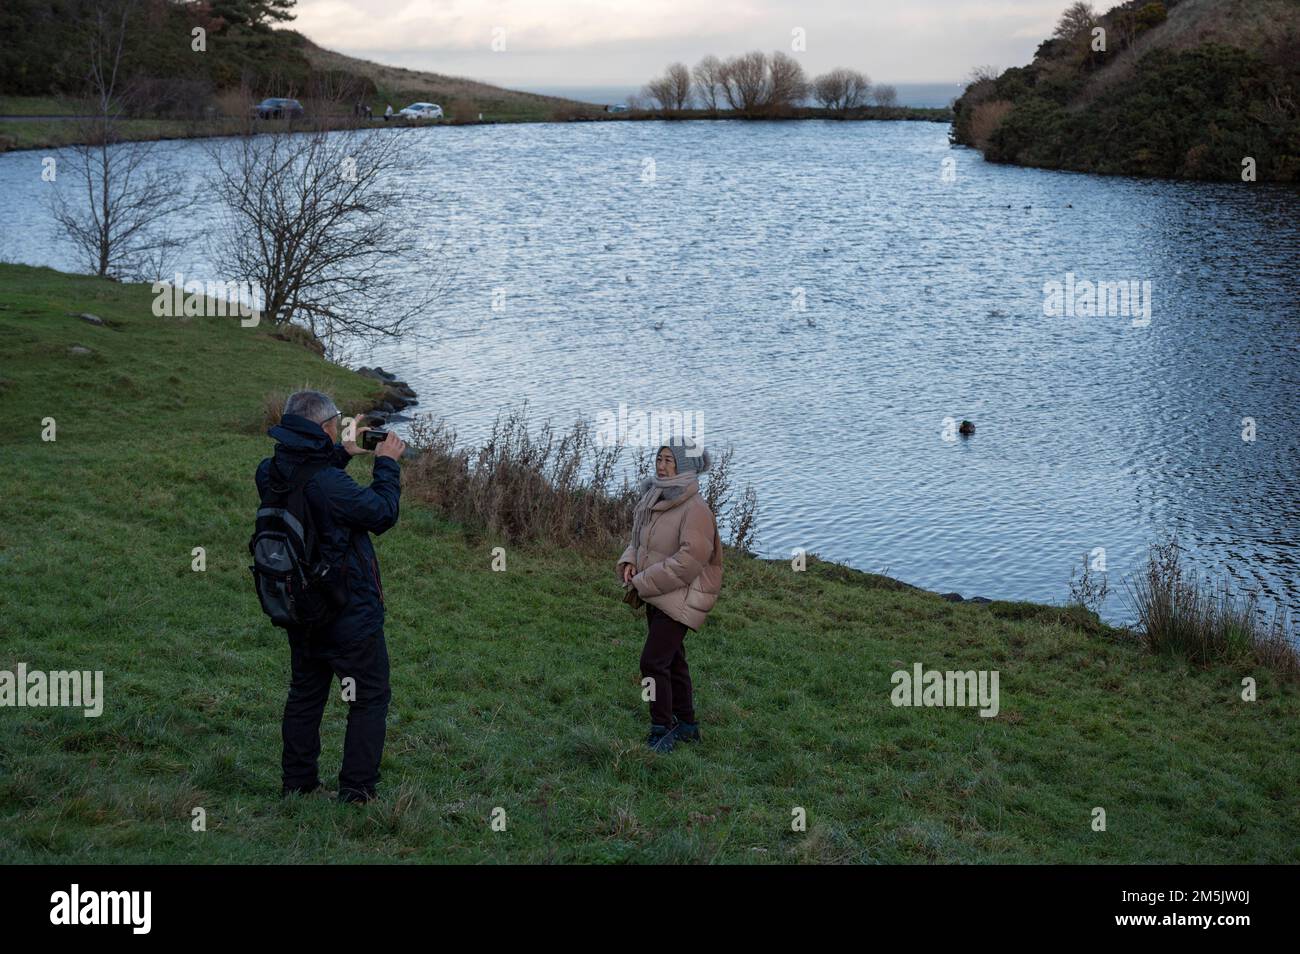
(958, 598)
(397, 394)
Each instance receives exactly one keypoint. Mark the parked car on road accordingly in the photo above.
(421, 111)
(277, 108)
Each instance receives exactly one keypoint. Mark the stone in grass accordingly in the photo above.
(88, 317)
(79, 350)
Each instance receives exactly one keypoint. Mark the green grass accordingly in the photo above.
(56, 133)
(41, 106)
(520, 689)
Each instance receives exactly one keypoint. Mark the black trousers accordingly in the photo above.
(314, 666)
(664, 660)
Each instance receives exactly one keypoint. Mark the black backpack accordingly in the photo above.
(297, 585)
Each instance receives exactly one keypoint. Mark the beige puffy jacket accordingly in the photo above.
(679, 563)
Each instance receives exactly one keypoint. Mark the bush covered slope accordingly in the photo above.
(1183, 88)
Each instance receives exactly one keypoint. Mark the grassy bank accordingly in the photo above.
(519, 689)
(52, 133)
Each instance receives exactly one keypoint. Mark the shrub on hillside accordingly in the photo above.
(985, 120)
(1193, 112)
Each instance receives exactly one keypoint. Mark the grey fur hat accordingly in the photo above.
(697, 462)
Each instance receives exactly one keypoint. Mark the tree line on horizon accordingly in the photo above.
(758, 84)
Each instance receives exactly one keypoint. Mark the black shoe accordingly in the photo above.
(685, 731)
(660, 738)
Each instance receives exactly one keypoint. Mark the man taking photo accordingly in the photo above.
(349, 643)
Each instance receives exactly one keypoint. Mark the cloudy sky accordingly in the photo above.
(624, 42)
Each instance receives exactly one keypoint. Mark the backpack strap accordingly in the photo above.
(291, 494)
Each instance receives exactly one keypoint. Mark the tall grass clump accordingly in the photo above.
(1204, 622)
(271, 409)
(560, 487)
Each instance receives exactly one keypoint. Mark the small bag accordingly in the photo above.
(631, 597)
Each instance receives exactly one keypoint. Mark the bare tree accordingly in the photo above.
(710, 79)
(746, 84)
(679, 76)
(673, 90)
(841, 90)
(1077, 21)
(981, 86)
(885, 96)
(787, 82)
(312, 220)
(120, 194)
(659, 92)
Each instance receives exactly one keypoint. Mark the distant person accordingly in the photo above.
(673, 564)
(307, 477)
(388, 112)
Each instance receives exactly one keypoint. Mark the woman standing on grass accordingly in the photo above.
(674, 563)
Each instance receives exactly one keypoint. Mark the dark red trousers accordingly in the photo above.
(664, 660)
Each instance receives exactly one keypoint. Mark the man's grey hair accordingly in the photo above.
(312, 405)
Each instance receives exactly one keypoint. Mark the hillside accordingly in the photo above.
(461, 98)
(1183, 88)
(164, 78)
(519, 689)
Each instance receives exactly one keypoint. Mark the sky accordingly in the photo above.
(626, 42)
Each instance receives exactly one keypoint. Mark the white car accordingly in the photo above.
(421, 111)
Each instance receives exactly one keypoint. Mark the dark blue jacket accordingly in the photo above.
(345, 514)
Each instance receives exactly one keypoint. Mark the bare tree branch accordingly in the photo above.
(120, 193)
(312, 219)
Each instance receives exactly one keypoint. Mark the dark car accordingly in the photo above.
(278, 109)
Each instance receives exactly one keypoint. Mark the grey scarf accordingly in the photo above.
(652, 491)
